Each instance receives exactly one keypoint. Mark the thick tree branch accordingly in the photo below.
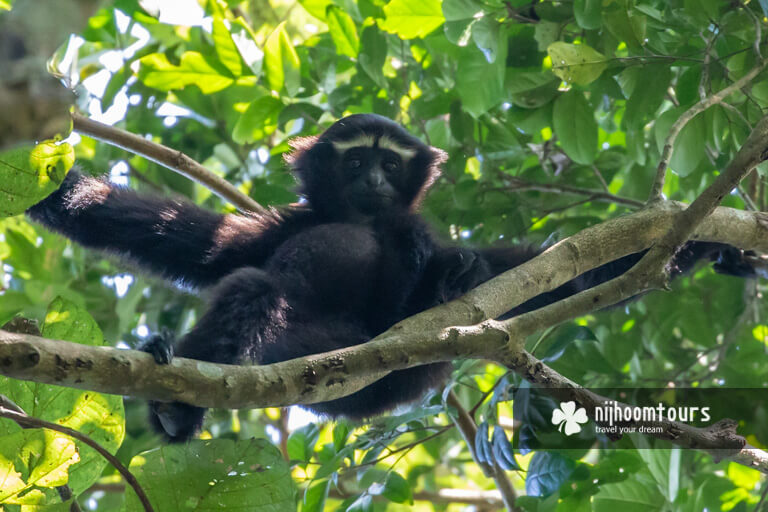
(167, 157)
(423, 338)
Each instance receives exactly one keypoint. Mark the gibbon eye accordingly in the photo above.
(390, 166)
(354, 163)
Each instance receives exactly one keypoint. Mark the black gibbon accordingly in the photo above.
(334, 272)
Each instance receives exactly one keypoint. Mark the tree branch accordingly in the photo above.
(467, 427)
(553, 188)
(167, 157)
(423, 338)
(697, 108)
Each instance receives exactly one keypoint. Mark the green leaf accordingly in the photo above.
(96, 415)
(485, 34)
(647, 97)
(316, 8)
(156, 71)
(628, 496)
(575, 126)
(460, 19)
(343, 31)
(5, 5)
(301, 442)
(373, 55)
(315, 496)
(686, 151)
(546, 473)
(362, 504)
(340, 435)
(29, 174)
(588, 13)
(480, 84)
(226, 50)
(218, 474)
(520, 81)
(576, 63)
(282, 62)
(397, 489)
(258, 121)
(626, 24)
(409, 19)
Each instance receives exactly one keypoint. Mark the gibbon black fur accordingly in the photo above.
(334, 272)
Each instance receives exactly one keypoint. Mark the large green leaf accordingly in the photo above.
(588, 13)
(480, 83)
(226, 50)
(628, 496)
(575, 127)
(687, 151)
(258, 121)
(373, 54)
(647, 96)
(96, 415)
(281, 62)
(29, 174)
(343, 31)
(193, 69)
(397, 489)
(217, 474)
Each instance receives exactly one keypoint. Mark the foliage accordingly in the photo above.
(540, 105)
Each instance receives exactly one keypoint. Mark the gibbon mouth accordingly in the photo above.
(376, 197)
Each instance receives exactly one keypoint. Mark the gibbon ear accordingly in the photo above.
(299, 145)
(439, 157)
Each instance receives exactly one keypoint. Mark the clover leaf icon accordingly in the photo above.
(567, 416)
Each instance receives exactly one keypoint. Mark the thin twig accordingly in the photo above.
(600, 177)
(701, 106)
(758, 29)
(468, 429)
(10, 410)
(705, 67)
(167, 157)
(595, 195)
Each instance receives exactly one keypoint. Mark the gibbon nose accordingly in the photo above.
(376, 177)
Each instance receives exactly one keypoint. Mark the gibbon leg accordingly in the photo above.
(242, 308)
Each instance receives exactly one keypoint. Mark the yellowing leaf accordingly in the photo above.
(29, 174)
(410, 19)
(57, 459)
(576, 63)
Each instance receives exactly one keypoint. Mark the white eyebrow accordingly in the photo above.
(359, 141)
(369, 141)
(405, 153)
